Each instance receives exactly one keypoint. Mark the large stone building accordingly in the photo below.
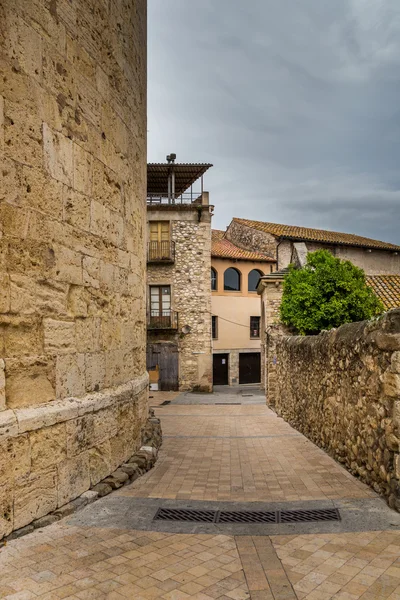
(288, 243)
(179, 354)
(73, 380)
(236, 310)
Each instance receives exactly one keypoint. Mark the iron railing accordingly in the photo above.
(161, 252)
(162, 319)
(185, 198)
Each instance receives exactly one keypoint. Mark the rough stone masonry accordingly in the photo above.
(73, 382)
(342, 390)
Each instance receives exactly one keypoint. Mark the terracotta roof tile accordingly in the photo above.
(317, 235)
(223, 248)
(387, 288)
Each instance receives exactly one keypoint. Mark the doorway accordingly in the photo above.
(165, 356)
(221, 369)
(249, 367)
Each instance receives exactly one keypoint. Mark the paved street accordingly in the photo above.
(221, 452)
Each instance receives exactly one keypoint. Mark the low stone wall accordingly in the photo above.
(50, 454)
(342, 390)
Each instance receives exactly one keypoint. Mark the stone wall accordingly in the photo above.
(342, 390)
(189, 278)
(73, 385)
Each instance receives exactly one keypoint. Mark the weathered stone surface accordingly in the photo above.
(129, 469)
(73, 381)
(48, 446)
(99, 462)
(102, 489)
(35, 496)
(342, 390)
(90, 496)
(45, 521)
(73, 478)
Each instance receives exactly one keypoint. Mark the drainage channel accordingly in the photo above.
(233, 516)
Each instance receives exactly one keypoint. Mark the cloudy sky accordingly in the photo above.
(295, 102)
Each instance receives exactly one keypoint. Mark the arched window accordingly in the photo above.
(213, 279)
(232, 280)
(253, 279)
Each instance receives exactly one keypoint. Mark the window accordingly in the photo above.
(214, 326)
(232, 280)
(159, 231)
(255, 327)
(160, 305)
(253, 279)
(213, 279)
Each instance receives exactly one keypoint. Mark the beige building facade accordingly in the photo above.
(235, 310)
(73, 380)
(179, 352)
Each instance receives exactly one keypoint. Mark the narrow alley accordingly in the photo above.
(225, 452)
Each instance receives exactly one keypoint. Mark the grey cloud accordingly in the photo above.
(295, 103)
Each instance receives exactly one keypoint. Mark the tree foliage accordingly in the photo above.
(326, 293)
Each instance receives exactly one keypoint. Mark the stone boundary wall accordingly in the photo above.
(341, 389)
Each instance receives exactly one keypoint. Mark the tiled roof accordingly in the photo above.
(223, 248)
(317, 235)
(387, 288)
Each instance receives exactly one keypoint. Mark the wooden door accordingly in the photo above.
(165, 356)
(249, 367)
(221, 369)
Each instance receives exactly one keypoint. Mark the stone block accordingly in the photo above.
(391, 385)
(91, 271)
(83, 173)
(29, 381)
(70, 375)
(2, 385)
(22, 335)
(119, 450)
(102, 489)
(395, 362)
(22, 134)
(35, 496)
(68, 265)
(88, 334)
(45, 521)
(73, 478)
(90, 496)
(4, 293)
(80, 435)
(6, 509)
(58, 155)
(33, 418)
(18, 450)
(31, 297)
(95, 371)
(99, 462)
(48, 446)
(8, 424)
(39, 191)
(59, 336)
(76, 209)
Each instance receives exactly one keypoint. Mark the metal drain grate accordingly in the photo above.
(247, 516)
(233, 516)
(174, 514)
(304, 516)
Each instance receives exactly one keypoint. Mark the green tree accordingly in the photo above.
(326, 293)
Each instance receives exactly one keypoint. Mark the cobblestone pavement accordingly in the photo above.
(223, 453)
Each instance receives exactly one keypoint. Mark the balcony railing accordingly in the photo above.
(162, 319)
(185, 198)
(162, 252)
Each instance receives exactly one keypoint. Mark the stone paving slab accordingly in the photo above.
(226, 456)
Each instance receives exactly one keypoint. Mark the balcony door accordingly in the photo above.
(159, 245)
(160, 305)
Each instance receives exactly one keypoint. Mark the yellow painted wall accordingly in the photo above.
(234, 309)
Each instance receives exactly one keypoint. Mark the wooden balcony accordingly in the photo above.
(161, 252)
